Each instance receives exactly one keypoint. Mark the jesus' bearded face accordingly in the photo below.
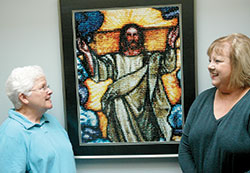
(132, 37)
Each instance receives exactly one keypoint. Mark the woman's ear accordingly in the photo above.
(23, 98)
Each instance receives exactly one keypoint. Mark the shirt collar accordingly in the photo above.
(24, 121)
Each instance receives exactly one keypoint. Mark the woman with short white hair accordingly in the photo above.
(32, 140)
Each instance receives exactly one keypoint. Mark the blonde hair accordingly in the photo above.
(21, 80)
(239, 57)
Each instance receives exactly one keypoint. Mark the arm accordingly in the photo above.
(122, 87)
(13, 155)
(99, 68)
(84, 49)
(185, 154)
(173, 35)
(170, 57)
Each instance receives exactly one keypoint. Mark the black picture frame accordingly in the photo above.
(69, 77)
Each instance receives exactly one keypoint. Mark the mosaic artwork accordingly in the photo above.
(128, 64)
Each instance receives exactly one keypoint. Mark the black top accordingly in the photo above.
(211, 145)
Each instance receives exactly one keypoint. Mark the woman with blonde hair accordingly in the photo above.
(216, 135)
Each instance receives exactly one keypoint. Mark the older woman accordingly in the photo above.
(216, 135)
(30, 139)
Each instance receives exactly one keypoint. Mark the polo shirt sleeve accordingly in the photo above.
(13, 155)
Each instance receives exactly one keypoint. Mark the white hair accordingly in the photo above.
(21, 80)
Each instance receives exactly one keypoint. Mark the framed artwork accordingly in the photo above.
(129, 75)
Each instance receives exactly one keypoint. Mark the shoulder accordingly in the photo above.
(202, 99)
(244, 104)
(51, 119)
(12, 128)
(109, 57)
(13, 132)
(205, 95)
(54, 122)
(156, 54)
(208, 91)
(248, 96)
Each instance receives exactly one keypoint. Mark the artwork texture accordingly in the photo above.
(129, 74)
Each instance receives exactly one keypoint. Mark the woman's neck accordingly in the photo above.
(234, 94)
(224, 101)
(32, 115)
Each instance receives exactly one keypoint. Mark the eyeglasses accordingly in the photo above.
(45, 88)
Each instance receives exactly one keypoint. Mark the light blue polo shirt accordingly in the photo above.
(36, 148)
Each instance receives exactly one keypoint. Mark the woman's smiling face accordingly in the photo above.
(41, 94)
(220, 67)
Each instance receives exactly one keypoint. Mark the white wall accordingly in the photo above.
(213, 19)
(29, 34)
